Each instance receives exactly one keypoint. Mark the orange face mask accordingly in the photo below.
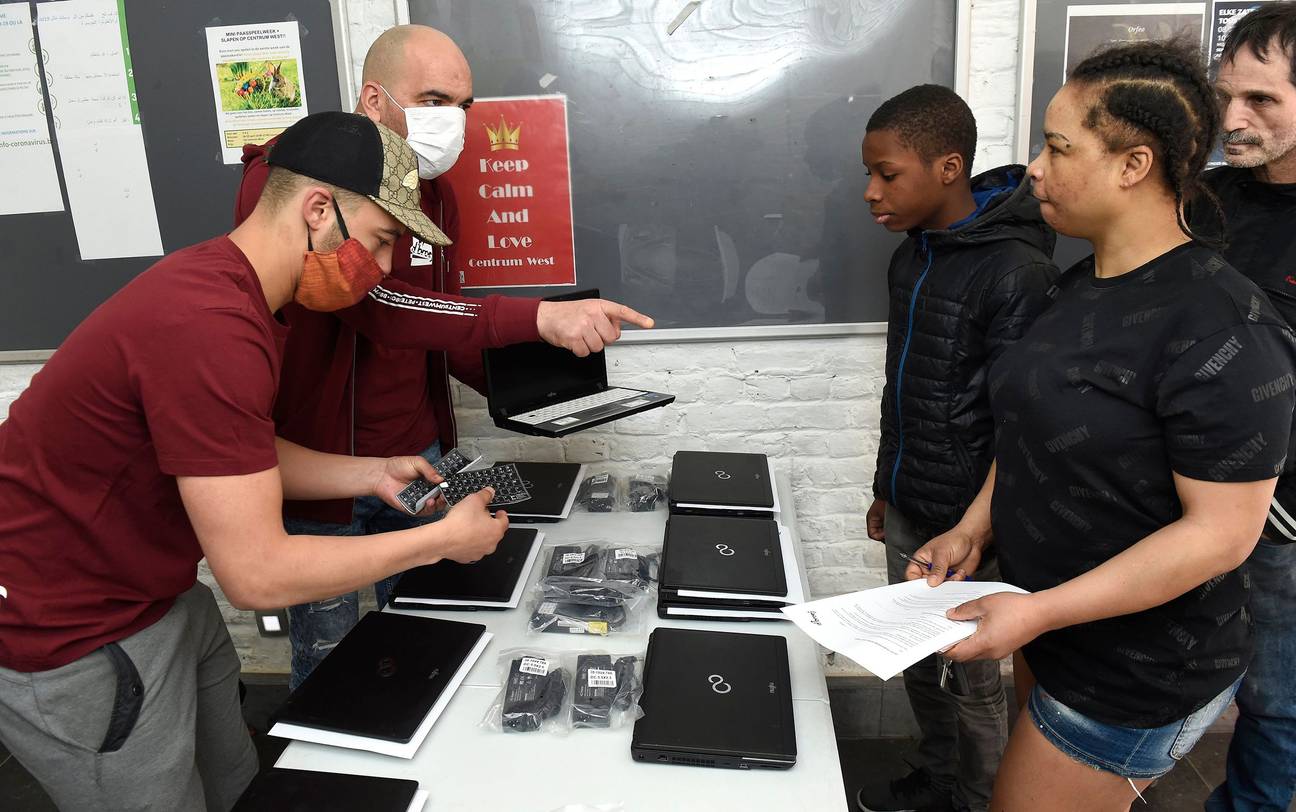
(334, 280)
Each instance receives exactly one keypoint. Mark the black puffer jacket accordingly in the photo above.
(958, 298)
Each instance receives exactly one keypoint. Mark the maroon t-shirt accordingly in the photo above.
(175, 375)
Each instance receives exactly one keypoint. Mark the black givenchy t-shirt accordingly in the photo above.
(1261, 231)
(1179, 365)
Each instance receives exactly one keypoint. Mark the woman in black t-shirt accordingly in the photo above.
(1140, 427)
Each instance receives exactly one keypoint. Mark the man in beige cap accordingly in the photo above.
(374, 378)
(147, 442)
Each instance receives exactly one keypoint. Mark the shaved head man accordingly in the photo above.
(413, 65)
(375, 376)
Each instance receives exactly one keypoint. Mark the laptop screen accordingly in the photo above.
(523, 377)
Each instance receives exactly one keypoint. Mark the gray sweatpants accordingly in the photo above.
(963, 737)
(151, 722)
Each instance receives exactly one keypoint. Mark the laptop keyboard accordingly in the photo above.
(505, 479)
(548, 413)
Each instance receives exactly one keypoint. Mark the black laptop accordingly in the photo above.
(716, 699)
(384, 676)
(670, 606)
(551, 487)
(721, 483)
(281, 790)
(536, 388)
(728, 554)
(488, 584)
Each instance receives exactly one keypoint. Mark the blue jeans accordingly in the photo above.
(315, 628)
(1261, 768)
(1129, 752)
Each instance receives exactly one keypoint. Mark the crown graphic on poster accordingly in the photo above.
(503, 137)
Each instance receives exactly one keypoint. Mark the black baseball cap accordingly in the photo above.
(352, 152)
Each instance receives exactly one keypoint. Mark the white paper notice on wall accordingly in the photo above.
(258, 81)
(26, 155)
(97, 127)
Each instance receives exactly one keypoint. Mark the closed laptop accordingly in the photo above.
(490, 580)
(716, 699)
(281, 790)
(721, 482)
(383, 677)
(723, 554)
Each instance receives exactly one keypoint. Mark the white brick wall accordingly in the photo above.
(810, 404)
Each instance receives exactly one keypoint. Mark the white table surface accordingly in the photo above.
(466, 767)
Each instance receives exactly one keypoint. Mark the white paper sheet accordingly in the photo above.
(890, 628)
(26, 155)
(97, 128)
(523, 576)
(109, 191)
(258, 81)
(388, 748)
(791, 574)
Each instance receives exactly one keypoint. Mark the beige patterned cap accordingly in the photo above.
(354, 153)
(398, 193)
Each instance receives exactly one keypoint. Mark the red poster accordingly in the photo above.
(513, 187)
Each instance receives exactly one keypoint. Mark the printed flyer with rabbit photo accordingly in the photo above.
(258, 83)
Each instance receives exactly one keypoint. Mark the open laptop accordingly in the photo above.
(495, 582)
(716, 699)
(722, 483)
(536, 388)
(383, 678)
(728, 554)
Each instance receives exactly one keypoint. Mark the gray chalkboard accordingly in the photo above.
(45, 288)
(716, 172)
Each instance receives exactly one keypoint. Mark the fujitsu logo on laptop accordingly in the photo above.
(436, 672)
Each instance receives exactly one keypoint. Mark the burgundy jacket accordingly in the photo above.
(418, 308)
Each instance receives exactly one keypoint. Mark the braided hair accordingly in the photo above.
(1157, 90)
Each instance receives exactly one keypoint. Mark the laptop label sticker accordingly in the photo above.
(601, 678)
(534, 665)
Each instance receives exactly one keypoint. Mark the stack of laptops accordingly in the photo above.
(384, 685)
(727, 568)
(713, 699)
(495, 582)
(717, 483)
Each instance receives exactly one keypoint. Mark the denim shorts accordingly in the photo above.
(1129, 752)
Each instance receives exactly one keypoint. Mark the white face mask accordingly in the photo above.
(436, 134)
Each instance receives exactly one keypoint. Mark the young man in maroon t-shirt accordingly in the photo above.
(373, 379)
(147, 442)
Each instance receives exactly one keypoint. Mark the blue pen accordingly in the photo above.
(924, 564)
